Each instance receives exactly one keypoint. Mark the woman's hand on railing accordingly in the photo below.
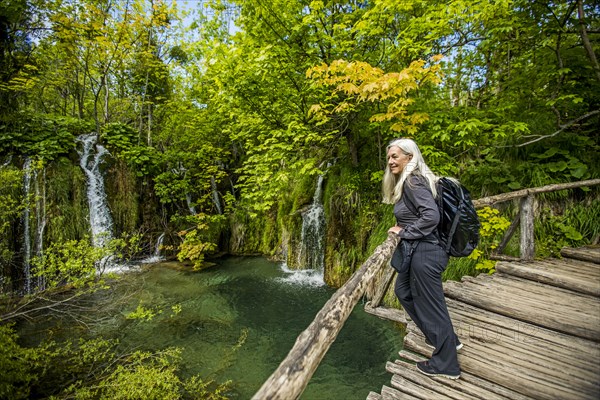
(395, 229)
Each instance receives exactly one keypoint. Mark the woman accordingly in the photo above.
(407, 179)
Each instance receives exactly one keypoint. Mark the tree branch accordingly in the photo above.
(567, 125)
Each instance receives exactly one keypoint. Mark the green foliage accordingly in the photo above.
(141, 159)
(66, 201)
(142, 313)
(123, 197)
(16, 363)
(45, 136)
(462, 266)
(573, 227)
(493, 225)
(196, 242)
(11, 206)
(122, 141)
(76, 263)
(583, 216)
(562, 162)
(342, 264)
(357, 82)
(71, 263)
(92, 369)
(118, 137)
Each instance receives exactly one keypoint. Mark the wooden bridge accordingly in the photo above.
(530, 331)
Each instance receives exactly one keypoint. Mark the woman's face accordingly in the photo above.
(397, 159)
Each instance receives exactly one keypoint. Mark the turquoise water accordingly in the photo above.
(238, 320)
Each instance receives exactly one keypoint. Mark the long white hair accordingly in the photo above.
(393, 184)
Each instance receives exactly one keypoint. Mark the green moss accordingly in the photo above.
(11, 207)
(123, 198)
(67, 209)
(253, 235)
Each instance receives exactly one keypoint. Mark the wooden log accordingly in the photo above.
(551, 276)
(592, 270)
(473, 323)
(458, 389)
(527, 234)
(574, 318)
(392, 314)
(502, 257)
(374, 396)
(386, 280)
(291, 377)
(488, 201)
(475, 380)
(556, 309)
(389, 393)
(591, 254)
(504, 374)
(418, 391)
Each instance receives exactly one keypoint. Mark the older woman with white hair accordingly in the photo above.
(409, 184)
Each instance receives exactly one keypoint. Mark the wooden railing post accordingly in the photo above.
(527, 234)
(291, 377)
(386, 281)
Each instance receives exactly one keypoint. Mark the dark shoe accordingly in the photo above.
(458, 346)
(425, 368)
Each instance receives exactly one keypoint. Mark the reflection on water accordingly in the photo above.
(238, 320)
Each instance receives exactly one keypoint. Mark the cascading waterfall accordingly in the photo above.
(311, 254)
(90, 159)
(312, 251)
(156, 257)
(40, 213)
(33, 226)
(215, 195)
(27, 226)
(7, 161)
(191, 207)
(180, 170)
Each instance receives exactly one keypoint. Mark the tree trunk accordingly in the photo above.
(586, 40)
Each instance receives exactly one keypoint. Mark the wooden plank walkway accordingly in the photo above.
(530, 331)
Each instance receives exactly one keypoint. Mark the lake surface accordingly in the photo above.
(238, 320)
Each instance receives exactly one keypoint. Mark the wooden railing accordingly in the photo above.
(525, 217)
(291, 377)
(293, 374)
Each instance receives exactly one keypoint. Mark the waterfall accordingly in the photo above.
(33, 227)
(215, 195)
(311, 254)
(7, 161)
(27, 226)
(312, 246)
(40, 214)
(100, 220)
(156, 257)
(191, 207)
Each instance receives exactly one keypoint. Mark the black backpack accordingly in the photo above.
(458, 229)
(459, 224)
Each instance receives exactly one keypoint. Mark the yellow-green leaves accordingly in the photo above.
(195, 245)
(356, 82)
(493, 225)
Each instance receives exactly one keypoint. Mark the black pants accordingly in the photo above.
(422, 297)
